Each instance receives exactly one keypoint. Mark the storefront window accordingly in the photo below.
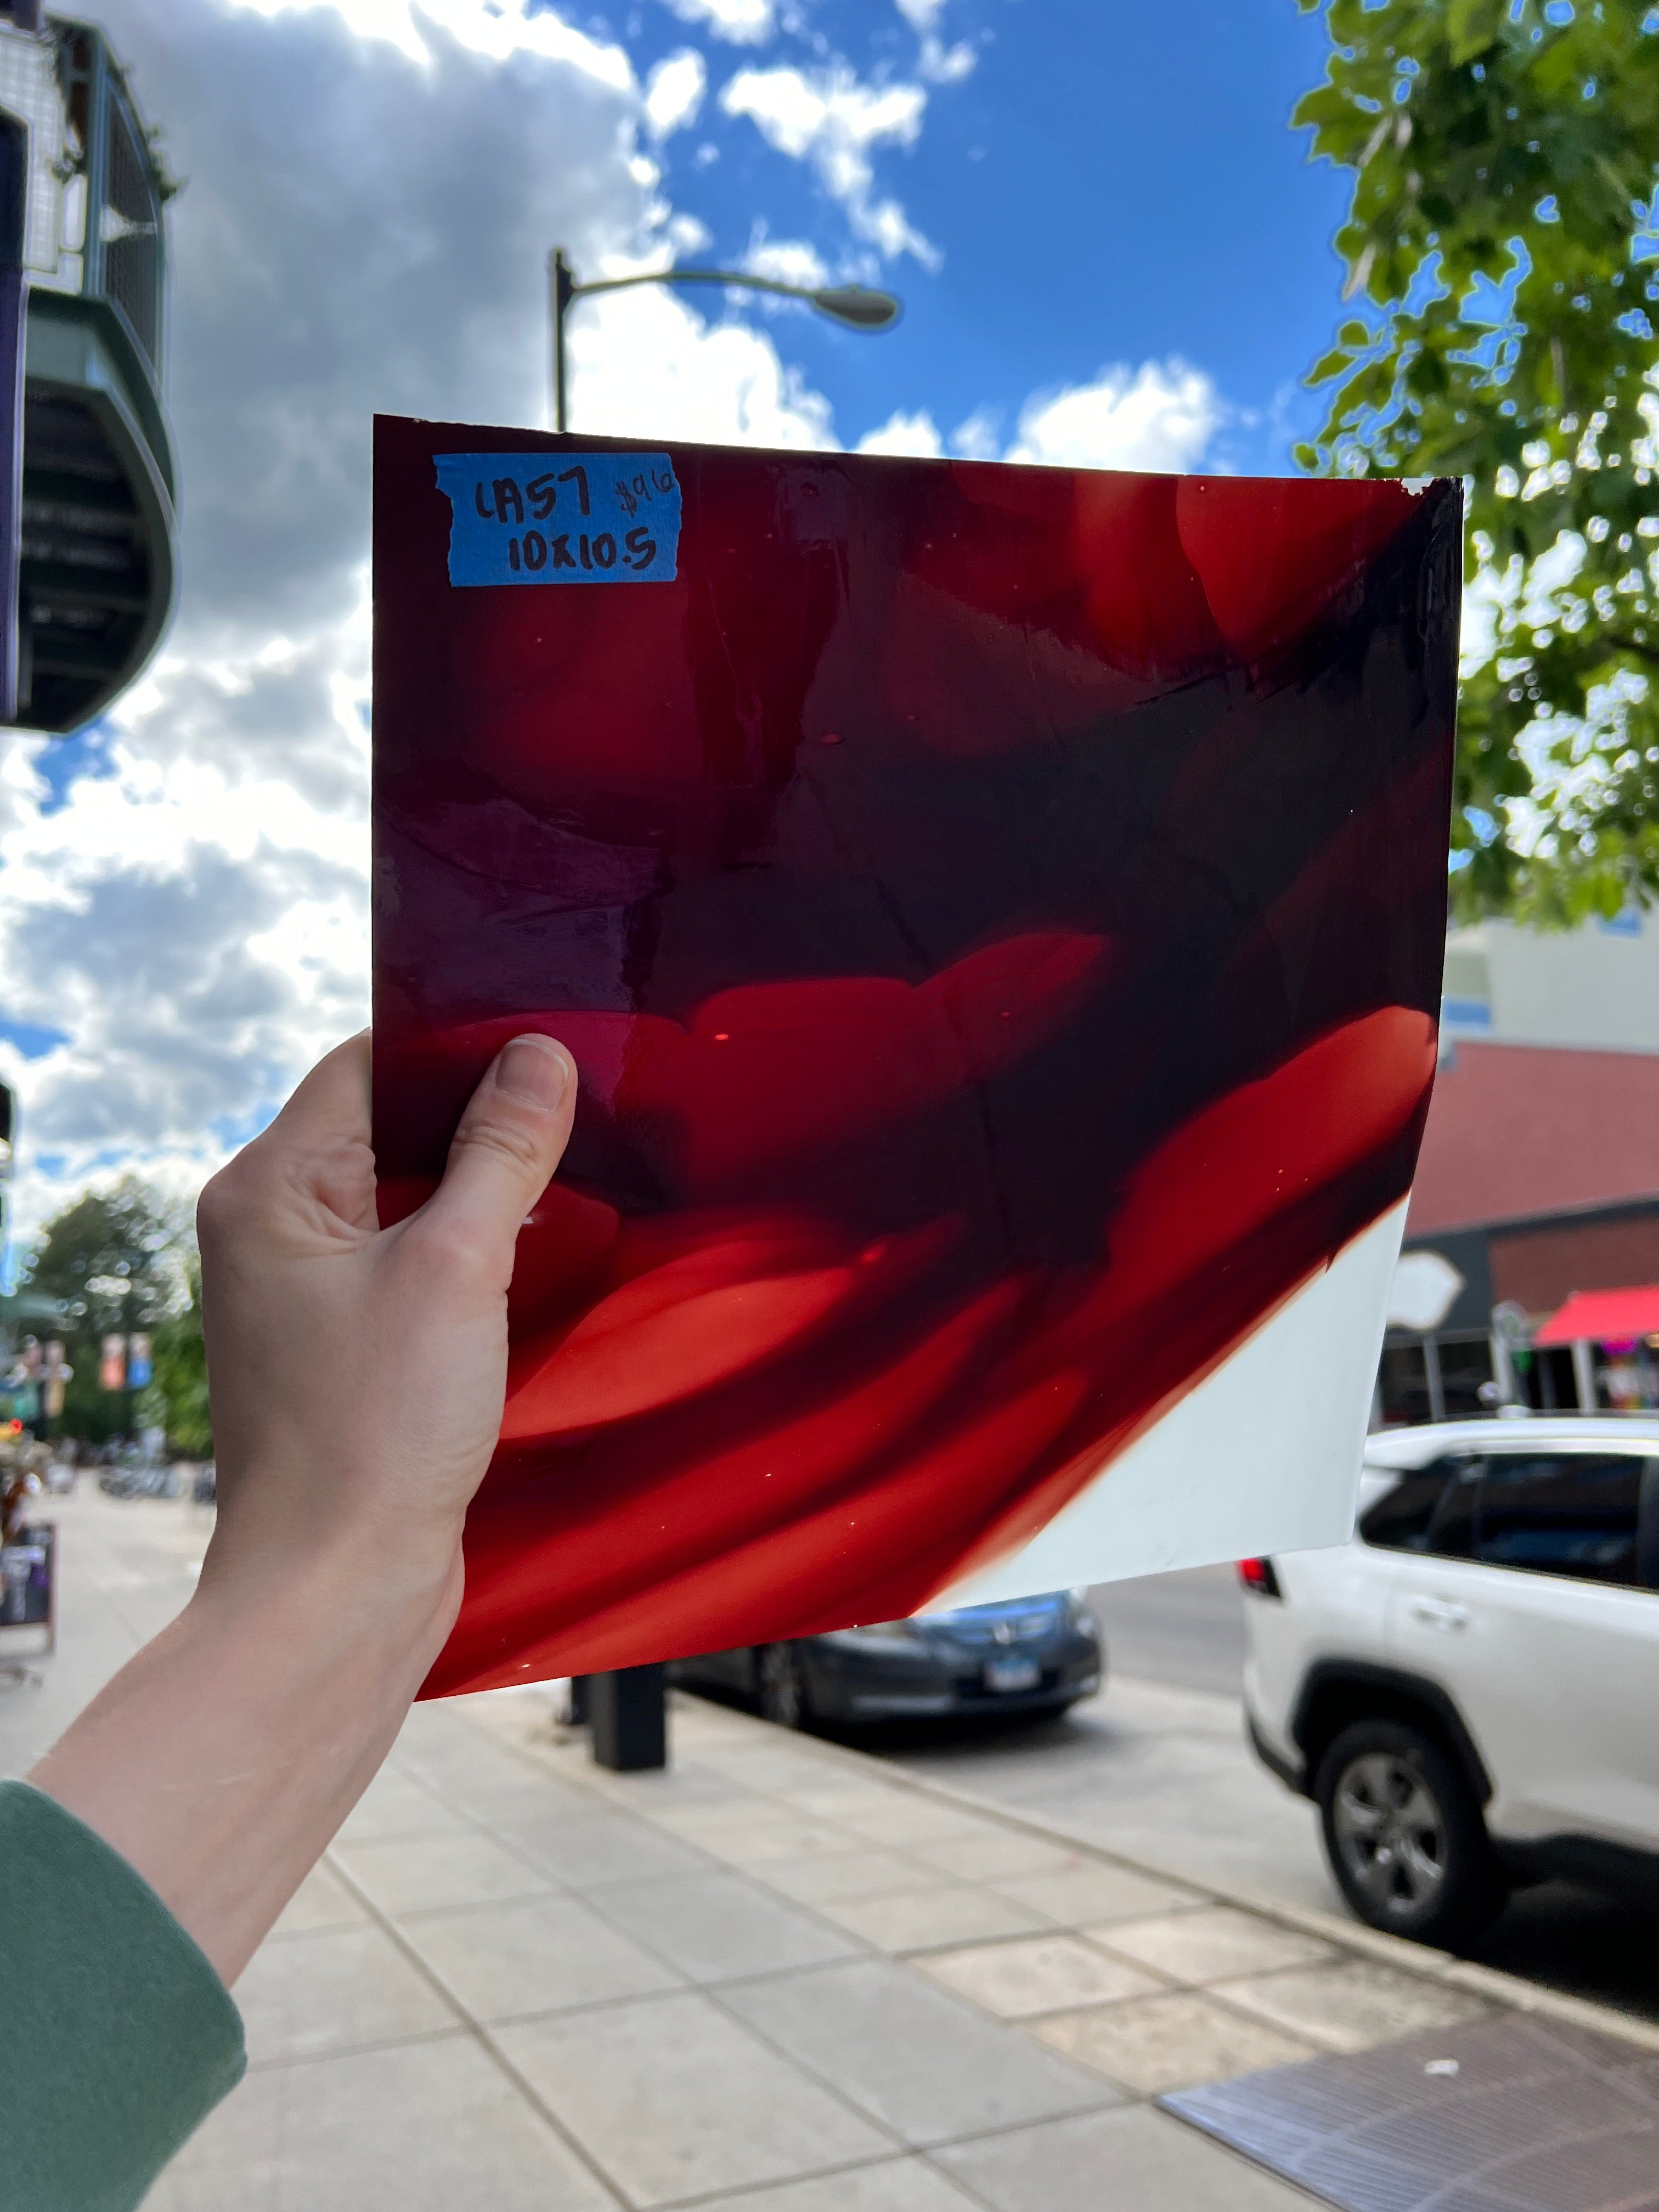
(1433, 1378)
(1627, 1377)
(1403, 1385)
(1465, 1370)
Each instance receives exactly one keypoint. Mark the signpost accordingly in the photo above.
(28, 1593)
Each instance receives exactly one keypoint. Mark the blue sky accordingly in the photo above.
(1109, 183)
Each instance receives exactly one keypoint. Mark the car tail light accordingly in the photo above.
(1258, 1575)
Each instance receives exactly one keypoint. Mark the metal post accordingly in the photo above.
(1432, 1372)
(560, 287)
(1583, 1373)
(1503, 1369)
(14, 329)
(627, 1710)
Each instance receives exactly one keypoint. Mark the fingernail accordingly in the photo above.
(537, 1070)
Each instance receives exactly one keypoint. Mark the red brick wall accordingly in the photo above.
(1539, 1268)
(1516, 1130)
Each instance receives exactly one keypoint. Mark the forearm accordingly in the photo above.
(221, 1759)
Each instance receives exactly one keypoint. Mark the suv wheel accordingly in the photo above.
(1404, 1835)
(782, 1687)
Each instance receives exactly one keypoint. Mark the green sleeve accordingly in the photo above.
(119, 2037)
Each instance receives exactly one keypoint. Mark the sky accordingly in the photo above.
(1111, 250)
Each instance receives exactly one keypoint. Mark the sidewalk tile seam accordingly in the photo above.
(590, 2007)
(1125, 2098)
(356, 2049)
(1194, 1984)
(286, 1936)
(713, 1993)
(920, 1952)
(296, 2061)
(1034, 2020)
(750, 1874)
(565, 1887)
(806, 2067)
(1155, 2105)
(1319, 2038)
(686, 1985)
(1011, 2028)
(1349, 1936)
(1325, 2040)
(1418, 1959)
(482, 2036)
(595, 1901)
(903, 2157)
(801, 2066)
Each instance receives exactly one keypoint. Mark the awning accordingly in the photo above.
(1604, 1317)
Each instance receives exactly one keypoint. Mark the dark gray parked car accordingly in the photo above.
(1025, 1655)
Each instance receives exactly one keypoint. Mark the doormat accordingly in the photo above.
(1515, 2115)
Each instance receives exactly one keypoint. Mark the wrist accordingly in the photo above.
(388, 1580)
(328, 1619)
(222, 1759)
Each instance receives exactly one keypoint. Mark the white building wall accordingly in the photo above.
(1592, 989)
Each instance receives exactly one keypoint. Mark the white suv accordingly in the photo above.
(1470, 1688)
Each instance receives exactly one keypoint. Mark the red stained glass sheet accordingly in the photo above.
(997, 914)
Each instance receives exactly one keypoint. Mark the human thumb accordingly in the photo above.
(511, 1138)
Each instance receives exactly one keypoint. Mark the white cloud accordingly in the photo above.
(830, 118)
(686, 235)
(652, 367)
(194, 921)
(976, 439)
(498, 29)
(1161, 416)
(786, 260)
(916, 435)
(940, 64)
(373, 189)
(943, 64)
(674, 91)
(742, 22)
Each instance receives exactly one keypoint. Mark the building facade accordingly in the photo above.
(1539, 1171)
(91, 557)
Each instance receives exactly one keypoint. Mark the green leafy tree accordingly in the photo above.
(177, 1399)
(1501, 249)
(126, 1236)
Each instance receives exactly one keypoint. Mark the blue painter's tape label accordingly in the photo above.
(561, 518)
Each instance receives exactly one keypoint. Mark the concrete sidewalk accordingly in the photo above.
(776, 1973)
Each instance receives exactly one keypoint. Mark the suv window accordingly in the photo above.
(1562, 1513)
(1402, 1520)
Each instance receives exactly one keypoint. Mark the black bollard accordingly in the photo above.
(627, 1712)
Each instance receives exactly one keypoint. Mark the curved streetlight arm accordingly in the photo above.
(733, 277)
(852, 305)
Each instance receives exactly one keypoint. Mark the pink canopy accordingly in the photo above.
(1604, 1317)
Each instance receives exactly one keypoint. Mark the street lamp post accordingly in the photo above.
(625, 1710)
(855, 307)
